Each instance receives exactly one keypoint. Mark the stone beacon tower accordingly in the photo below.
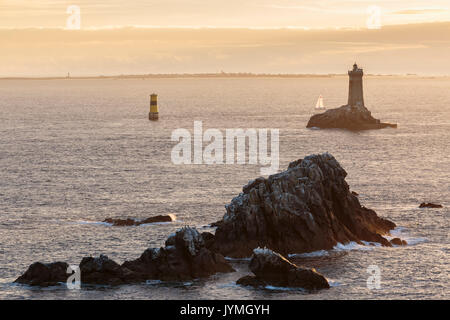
(355, 87)
(153, 114)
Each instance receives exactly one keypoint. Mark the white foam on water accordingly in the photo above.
(264, 251)
(229, 285)
(334, 283)
(352, 245)
(269, 287)
(319, 253)
(403, 233)
(339, 247)
(153, 282)
(238, 259)
(373, 244)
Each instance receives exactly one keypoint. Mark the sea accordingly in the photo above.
(74, 152)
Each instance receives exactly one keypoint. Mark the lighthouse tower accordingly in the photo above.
(355, 87)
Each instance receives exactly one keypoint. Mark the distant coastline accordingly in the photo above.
(218, 75)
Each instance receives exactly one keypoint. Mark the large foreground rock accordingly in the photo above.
(184, 256)
(347, 117)
(270, 268)
(306, 208)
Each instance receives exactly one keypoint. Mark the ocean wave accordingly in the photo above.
(404, 234)
(238, 259)
(275, 288)
(334, 283)
(339, 247)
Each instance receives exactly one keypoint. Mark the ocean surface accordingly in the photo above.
(74, 152)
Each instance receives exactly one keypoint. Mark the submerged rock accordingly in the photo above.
(184, 257)
(271, 268)
(347, 117)
(44, 274)
(306, 208)
(430, 205)
(133, 222)
(398, 242)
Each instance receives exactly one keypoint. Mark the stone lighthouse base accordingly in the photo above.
(347, 117)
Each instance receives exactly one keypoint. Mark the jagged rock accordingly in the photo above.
(208, 237)
(271, 268)
(398, 242)
(133, 222)
(430, 205)
(44, 274)
(347, 117)
(184, 256)
(306, 208)
(103, 270)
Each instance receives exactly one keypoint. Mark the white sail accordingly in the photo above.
(319, 104)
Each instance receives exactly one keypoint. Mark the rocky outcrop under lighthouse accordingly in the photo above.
(347, 117)
(306, 208)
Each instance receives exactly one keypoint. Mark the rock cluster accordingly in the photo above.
(117, 222)
(347, 117)
(271, 268)
(183, 257)
(306, 208)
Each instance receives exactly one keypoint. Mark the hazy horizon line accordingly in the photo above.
(217, 75)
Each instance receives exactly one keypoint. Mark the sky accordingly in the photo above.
(194, 36)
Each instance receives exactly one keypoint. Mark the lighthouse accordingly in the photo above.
(355, 87)
(153, 114)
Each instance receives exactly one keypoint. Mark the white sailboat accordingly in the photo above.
(319, 104)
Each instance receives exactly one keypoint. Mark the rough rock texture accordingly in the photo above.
(103, 270)
(398, 242)
(347, 117)
(44, 274)
(271, 268)
(133, 222)
(430, 205)
(184, 256)
(306, 208)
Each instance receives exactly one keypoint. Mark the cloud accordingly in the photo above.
(420, 11)
(419, 48)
